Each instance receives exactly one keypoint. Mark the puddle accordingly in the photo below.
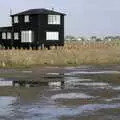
(5, 105)
(113, 99)
(54, 84)
(27, 71)
(71, 96)
(98, 85)
(1, 79)
(103, 87)
(77, 68)
(50, 99)
(69, 68)
(87, 72)
(52, 111)
(95, 84)
(75, 79)
(6, 83)
(116, 88)
(53, 73)
(79, 83)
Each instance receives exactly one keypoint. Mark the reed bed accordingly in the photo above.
(74, 53)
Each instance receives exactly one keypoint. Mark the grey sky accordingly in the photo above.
(84, 17)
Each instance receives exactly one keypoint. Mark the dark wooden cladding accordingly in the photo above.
(38, 24)
(6, 42)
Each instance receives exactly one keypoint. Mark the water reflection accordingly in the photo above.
(91, 72)
(47, 111)
(71, 96)
(6, 105)
(116, 88)
(6, 83)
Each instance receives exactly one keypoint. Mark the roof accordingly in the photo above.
(7, 28)
(38, 11)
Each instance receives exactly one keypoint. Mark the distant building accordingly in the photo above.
(34, 28)
(70, 38)
(80, 39)
(93, 38)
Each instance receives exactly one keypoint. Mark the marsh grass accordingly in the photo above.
(75, 53)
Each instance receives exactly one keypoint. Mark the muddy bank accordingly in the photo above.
(57, 76)
(35, 73)
(86, 92)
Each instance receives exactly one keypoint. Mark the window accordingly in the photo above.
(52, 35)
(53, 19)
(26, 36)
(16, 36)
(15, 19)
(3, 35)
(26, 18)
(8, 35)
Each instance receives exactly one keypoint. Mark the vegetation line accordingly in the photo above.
(75, 53)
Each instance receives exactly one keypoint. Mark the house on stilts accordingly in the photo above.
(34, 28)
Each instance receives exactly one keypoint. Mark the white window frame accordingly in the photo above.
(9, 35)
(52, 35)
(54, 19)
(16, 20)
(16, 36)
(26, 18)
(4, 35)
(26, 36)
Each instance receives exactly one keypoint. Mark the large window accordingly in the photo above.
(53, 19)
(3, 35)
(16, 19)
(52, 35)
(26, 18)
(8, 35)
(26, 36)
(16, 36)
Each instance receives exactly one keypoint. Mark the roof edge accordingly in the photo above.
(37, 11)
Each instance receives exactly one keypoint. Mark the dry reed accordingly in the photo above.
(76, 53)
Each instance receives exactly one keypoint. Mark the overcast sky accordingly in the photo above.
(84, 17)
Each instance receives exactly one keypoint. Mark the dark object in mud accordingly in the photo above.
(24, 83)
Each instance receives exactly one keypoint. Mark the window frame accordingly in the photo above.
(26, 18)
(26, 36)
(52, 36)
(9, 35)
(16, 36)
(4, 37)
(54, 19)
(16, 19)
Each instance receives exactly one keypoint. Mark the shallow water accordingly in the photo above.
(85, 95)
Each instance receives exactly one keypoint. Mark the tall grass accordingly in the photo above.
(75, 53)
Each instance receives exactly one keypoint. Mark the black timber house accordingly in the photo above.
(34, 28)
